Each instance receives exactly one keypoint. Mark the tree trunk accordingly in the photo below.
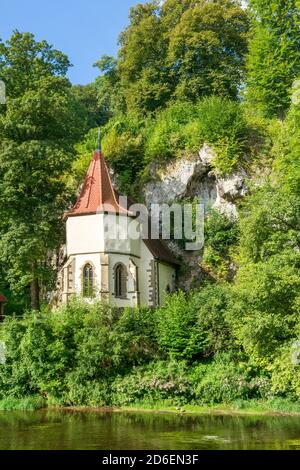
(35, 294)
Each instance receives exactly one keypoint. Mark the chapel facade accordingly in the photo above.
(122, 269)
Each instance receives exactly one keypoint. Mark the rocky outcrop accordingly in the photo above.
(195, 177)
(190, 177)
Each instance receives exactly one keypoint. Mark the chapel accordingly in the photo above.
(104, 261)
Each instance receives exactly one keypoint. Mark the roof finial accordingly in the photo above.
(99, 140)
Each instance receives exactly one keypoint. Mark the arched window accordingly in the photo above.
(88, 281)
(120, 281)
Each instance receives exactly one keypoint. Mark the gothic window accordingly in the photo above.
(88, 281)
(120, 281)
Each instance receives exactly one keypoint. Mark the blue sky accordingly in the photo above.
(83, 29)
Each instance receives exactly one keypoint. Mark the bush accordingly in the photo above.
(166, 136)
(123, 146)
(94, 355)
(195, 325)
(226, 379)
(211, 304)
(221, 237)
(156, 382)
(178, 332)
(184, 127)
(69, 356)
(285, 376)
(24, 404)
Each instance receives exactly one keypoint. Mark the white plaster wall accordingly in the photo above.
(116, 230)
(166, 277)
(144, 275)
(90, 235)
(130, 301)
(80, 261)
(85, 234)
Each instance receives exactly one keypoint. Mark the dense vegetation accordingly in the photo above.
(195, 350)
(187, 73)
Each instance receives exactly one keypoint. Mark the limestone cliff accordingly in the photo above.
(189, 177)
(194, 176)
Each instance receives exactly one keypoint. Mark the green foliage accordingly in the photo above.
(123, 145)
(86, 96)
(173, 87)
(178, 331)
(93, 355)
(38, 128)
(211, 304)
(221, 236)
(155, 382)
(110, 97)
(30, 403)
(274, 55)
(224, 380)
(207, 49)
(227, 379)
(183, 127)
(266, 304)
(194, 326)
(68, 356)
(175, 49)
(286, 164)
(285, 375)
(25, 61)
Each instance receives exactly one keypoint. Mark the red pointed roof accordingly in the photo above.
(2, 298)
(97, 194)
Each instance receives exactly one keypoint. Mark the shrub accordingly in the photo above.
(221, 236)
(69, 356)
(211, 304)
(27, 403)
(285, 376)
(178, 332)
(166, 136)
(155, 382)
(185, 127)
(226, 379)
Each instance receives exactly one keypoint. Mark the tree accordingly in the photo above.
(266, 293)
(24, 61)
(178, 331)
(274, 55)
(144, 76)
(176, 49)
(221, 237)
(41, 122)
(86, 95)
(207, 49)
(110, 95)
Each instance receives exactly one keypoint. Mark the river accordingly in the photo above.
(51, 429)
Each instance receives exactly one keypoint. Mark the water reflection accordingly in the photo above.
(50, 429)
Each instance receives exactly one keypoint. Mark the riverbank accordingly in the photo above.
(275, 407)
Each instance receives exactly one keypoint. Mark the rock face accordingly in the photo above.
(190, 177)
(194, 177)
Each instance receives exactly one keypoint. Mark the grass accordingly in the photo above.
(241, 407)
(30, 403)
(275, 406)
